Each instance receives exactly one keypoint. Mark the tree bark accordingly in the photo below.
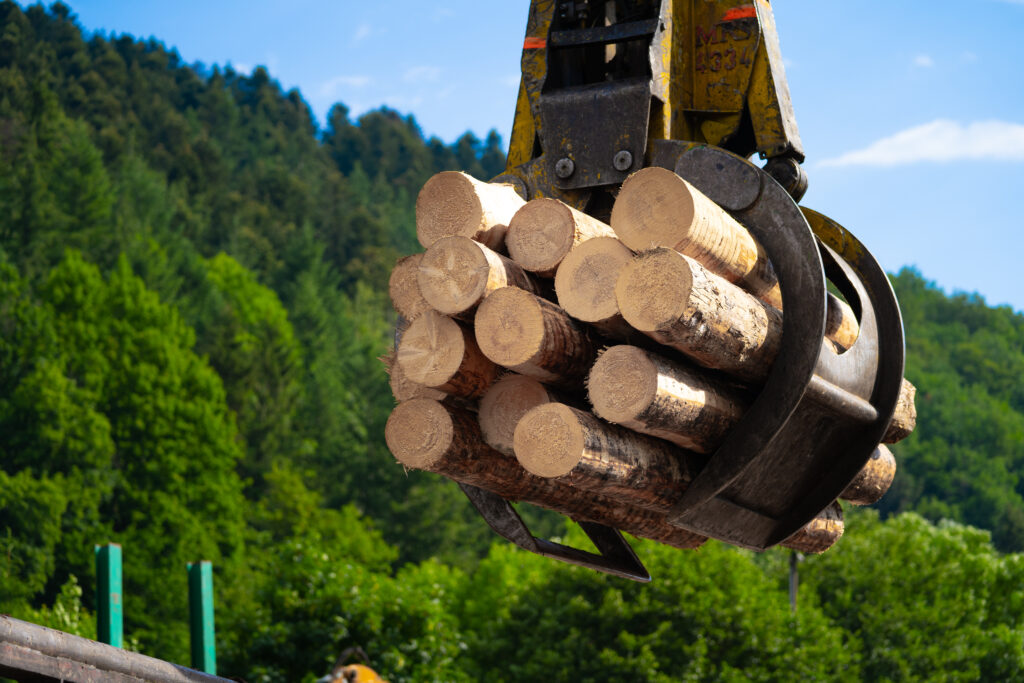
(820, 534)
(427, 435)
(440, 353)
(544, 230)
(457, 273)
(453, 203)
(534, 337)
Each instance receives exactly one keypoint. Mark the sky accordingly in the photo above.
(911, 113)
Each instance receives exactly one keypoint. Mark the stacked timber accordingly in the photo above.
(591, 368)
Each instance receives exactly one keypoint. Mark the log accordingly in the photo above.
(544, 230)
(556, 441)
(657, 208)
(679, 303)
(873, 480)
(427, 435)
(585, 284)
(440, 353)
(403, 388)
(534, 337)
(667, 399)
(457, 273)
(820, 534)
(403, 289)
(904, 419)
(453, 203)
(505, 402)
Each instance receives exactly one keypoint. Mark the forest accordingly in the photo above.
(192, 311)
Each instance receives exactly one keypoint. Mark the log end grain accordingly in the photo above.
(653, 289)
(404, 289)
(453, 274)
(904, 419)
(431, 350)
(540, 235)
(504, 405)
(510, 326)
(655, 207)
(873, 480)
(622, 384)
(585, 280)
(549, 440)
(419, 433)
(454, 203)
(403, 388)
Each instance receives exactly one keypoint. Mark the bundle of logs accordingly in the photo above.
(591, 368)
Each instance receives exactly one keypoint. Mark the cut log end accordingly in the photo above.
(549, 440)
(403, 388)
(873, 480)
(453, 274)
(504, 405)
(419, 432)
(585, 280)
(652, 290)
(904, 419)
(622, 384)
(655, 207)
(541, 234)
(431, 350)
(404, 290)
(510, 326)
(454, 203)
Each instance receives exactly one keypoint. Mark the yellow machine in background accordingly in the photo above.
(698, 87)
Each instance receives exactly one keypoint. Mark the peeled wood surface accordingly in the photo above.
(841, 324)
(454, 203)
(679, 303)
(534, 337)
(403, 288)
(544, 230)
(820, 534)
(585, 284)
(873, 480)
(457, 273)
(438, 352)
(425, 434)
(505, 403)
(657, 208)
(660, 397)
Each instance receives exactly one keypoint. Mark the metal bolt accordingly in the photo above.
(564, 167)
(623, 160)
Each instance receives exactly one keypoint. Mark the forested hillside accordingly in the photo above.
(192, 309)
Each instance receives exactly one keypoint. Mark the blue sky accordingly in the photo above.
(911, 113)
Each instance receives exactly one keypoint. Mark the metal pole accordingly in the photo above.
(794, 579)
(200, 608)
(109, 603)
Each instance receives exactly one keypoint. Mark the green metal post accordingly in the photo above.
(200, 608)
(109, 604)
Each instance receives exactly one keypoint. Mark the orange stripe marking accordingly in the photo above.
(533, 43)
(744, 12)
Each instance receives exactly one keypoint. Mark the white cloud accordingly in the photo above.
(941, 141)
(923, 61)
(241, 67)
(331, 86)
(363, 32)
(512, 80)
(422, 74)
